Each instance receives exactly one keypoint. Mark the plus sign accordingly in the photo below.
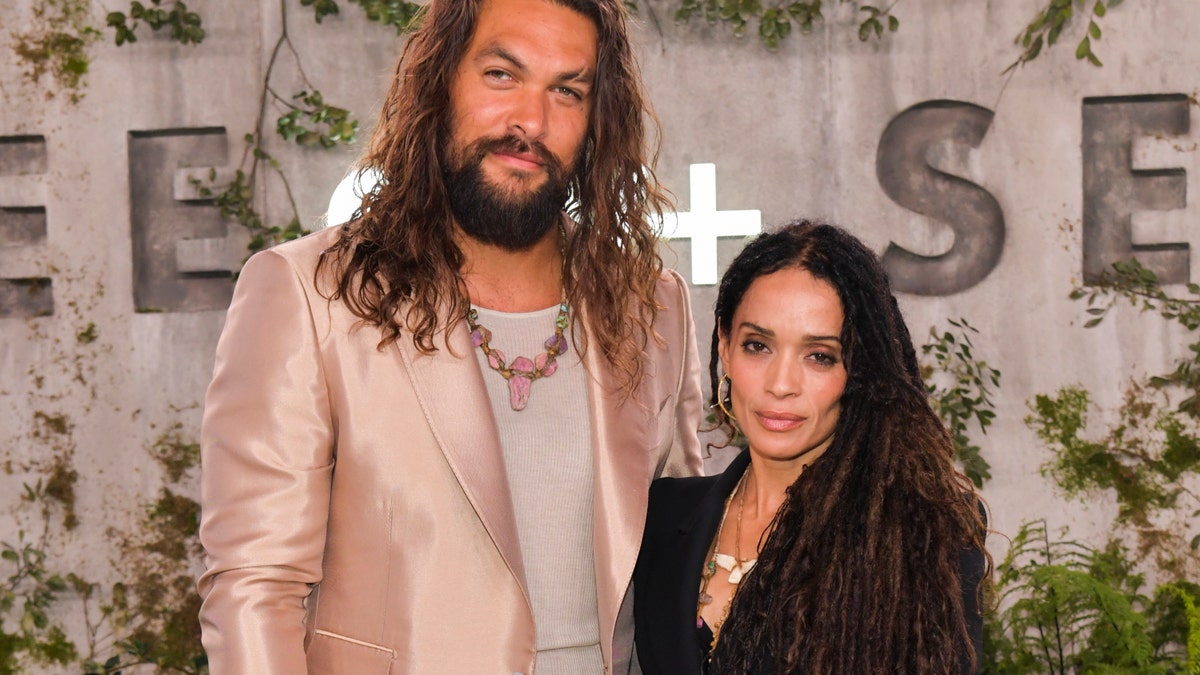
(704, 224)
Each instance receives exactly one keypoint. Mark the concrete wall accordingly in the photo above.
(1004, 192)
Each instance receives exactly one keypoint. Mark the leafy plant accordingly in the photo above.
(329, 124)
(56, 44)
(147, 619)
(960, 386)
(775, 19)
(1070, 608)
(1143, 460)
(1048, 25)
(1138, 285)
(313, 123)
(397, 13)
(31, 590)
(185, 26)
(1151, 457)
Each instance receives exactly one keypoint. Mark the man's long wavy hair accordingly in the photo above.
(397, 265)
(860, 573)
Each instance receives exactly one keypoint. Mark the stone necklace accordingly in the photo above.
(737, 567)
(522, 371)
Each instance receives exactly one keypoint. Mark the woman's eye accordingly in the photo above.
(753, 346)
(824, 359)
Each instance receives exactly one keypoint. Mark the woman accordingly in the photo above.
(843, 540)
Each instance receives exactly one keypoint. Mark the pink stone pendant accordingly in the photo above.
(518, 391)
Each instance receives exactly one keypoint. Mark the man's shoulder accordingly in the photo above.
(670, 285)
(674, 316)
(308, 249)
(299, 255)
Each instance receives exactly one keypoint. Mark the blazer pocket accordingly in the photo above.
(333, 654)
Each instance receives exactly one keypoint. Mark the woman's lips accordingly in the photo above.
(778, 421)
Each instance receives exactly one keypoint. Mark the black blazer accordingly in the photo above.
(682, 519)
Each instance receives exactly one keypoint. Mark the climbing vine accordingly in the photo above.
(960, 386)
(184, 25)
(775, 20)
(1149, 459)
(1047, 27)
(148, 618)
(55, 45)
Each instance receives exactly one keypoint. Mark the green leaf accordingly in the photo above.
(1094, 30)
(1099, 9)
(1053, 33)
(1084, 48)
(1033, 51)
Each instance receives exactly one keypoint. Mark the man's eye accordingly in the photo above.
(572, 93)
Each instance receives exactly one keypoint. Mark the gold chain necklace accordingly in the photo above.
(735, 565)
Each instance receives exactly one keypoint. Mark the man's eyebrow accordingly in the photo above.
(500, 52)
(582, 76)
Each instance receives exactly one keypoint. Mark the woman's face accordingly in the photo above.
(784, 358)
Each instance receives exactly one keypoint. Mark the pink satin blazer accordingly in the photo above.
(356, 518)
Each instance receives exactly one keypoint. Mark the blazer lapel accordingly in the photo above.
(453, 398)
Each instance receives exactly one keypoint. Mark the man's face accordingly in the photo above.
(520, 104)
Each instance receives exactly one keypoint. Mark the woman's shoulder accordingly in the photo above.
(689, 488)
(673, 499)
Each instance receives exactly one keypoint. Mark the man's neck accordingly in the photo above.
(513, 281)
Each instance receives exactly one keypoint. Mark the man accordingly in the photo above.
(384, 490)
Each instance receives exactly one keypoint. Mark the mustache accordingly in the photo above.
(515, 144)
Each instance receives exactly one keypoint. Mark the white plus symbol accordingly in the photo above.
(704, 224)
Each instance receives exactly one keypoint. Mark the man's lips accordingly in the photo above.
(778, 421)
(523, 160)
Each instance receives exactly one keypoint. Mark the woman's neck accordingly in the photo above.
(766, 489)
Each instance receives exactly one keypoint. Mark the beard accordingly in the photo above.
(494, 215)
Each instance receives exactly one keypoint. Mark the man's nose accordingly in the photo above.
(528, 114)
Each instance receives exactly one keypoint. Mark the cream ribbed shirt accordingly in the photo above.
(548, 457)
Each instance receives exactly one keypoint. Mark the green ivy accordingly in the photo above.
(775, 19)
(235, 200)
(185, 26)
(1048, 25)
(56, 44)
(960, 387)
(1149, 458)
(396, 13)
(29, 591)
(330, 125)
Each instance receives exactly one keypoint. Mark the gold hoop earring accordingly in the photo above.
(726, 384)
